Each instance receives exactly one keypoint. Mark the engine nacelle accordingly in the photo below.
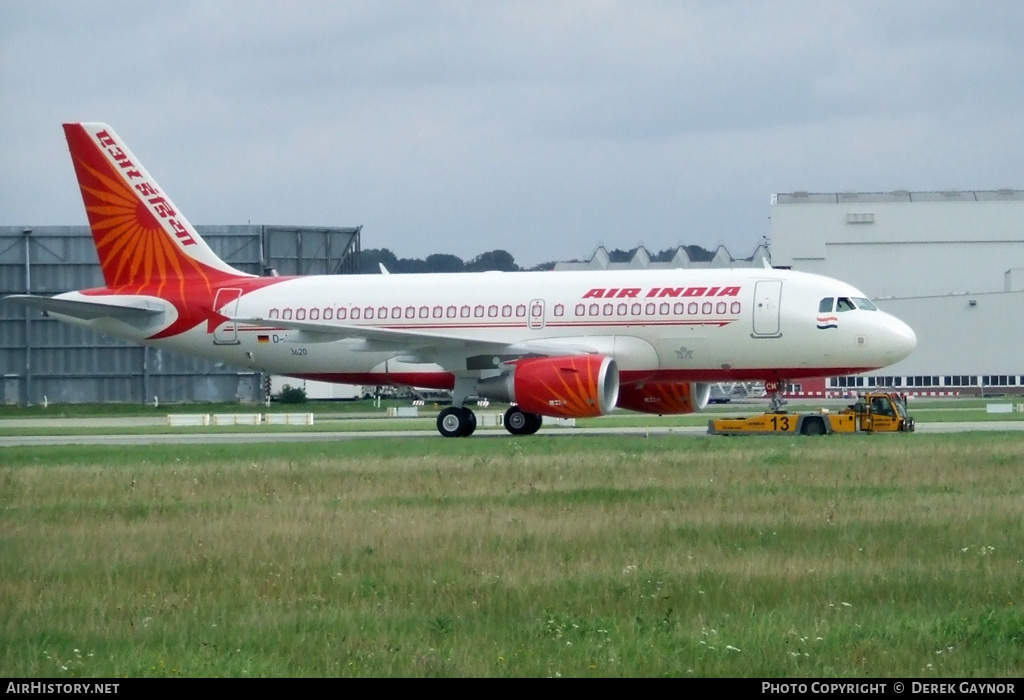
(665, 398)
(574, 386)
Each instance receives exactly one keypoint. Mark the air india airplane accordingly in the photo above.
(560, 344)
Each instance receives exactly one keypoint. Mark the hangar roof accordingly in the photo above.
(897, 196)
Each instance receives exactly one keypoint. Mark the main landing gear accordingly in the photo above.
(519, 422)
(459, 421)
(456, 421)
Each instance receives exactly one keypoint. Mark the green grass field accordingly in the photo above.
(867, 556)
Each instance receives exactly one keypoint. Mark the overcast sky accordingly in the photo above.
(544, 128)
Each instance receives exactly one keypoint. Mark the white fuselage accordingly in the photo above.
(665, 325)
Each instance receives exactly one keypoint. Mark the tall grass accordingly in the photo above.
(863, 556)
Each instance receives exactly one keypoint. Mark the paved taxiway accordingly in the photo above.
(182, 437)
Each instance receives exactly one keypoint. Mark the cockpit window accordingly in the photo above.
(845, 304)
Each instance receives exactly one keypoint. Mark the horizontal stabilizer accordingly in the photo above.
(128, 311)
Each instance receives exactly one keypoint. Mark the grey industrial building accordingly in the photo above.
(641, 260)
(950, 264)
(43, 360)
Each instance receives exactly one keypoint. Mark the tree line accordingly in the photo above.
(370, 260)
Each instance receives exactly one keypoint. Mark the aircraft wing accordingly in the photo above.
(383, 339)
(125, 310)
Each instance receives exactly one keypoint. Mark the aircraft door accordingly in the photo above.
(767, 306)
(226, 303)
(536, 314)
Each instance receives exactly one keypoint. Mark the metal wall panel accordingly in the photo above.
(239, 246)
(40, 357)
(12, 360)
(168, 362)
(72, 389)
(311, 251)
(48, 332)
(12, 334)
(55, 279)
(87, 362)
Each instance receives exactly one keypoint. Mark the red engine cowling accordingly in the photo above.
(574, 386)
(665, 398)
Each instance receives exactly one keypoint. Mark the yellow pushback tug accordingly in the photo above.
(872, 413)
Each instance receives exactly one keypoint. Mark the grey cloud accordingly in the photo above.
(541, 127)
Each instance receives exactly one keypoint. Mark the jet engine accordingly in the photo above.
(665, 398)
(573, 386)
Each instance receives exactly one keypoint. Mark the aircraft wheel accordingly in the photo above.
(519, 422)
(470, 427)
(456, 421)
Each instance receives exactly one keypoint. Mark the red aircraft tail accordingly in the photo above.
(144, 243)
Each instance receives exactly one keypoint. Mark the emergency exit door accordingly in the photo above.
(767, 305)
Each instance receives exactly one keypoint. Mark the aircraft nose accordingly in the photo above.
(902, 339)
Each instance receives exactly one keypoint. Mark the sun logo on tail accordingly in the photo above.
(142, 242)
(144, 245)
(133, 248)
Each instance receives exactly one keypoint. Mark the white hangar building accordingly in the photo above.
(950, 264)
